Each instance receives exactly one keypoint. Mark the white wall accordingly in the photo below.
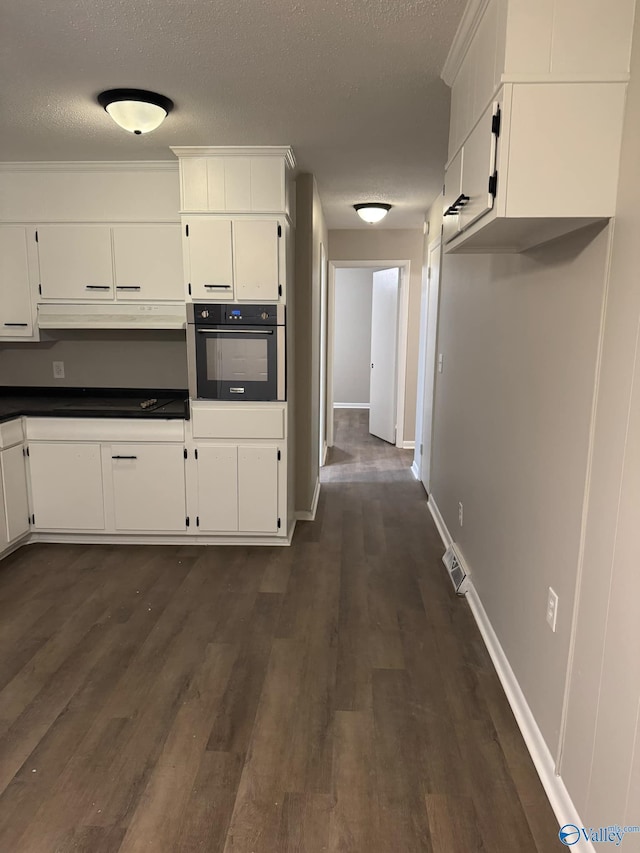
(352, 335)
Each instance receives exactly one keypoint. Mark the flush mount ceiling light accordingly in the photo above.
(372, 211)
(136, 110)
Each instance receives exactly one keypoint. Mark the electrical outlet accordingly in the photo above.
(460, 513)
(440, 363)
(552, 609)
(58, 369)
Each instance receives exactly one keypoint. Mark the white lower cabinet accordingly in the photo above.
(148, 487)
(237, 488)
(15, 522)
(66, 486)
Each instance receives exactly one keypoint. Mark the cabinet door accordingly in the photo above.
(15, 287)
(66, 486)
(148, 487)
(479, 162)
(75, 262)
(267, 184)
(256, 245)
(148, 262)
(208, 249)
(258, 489)
(452, 190)
(218, 488)
(14, 482)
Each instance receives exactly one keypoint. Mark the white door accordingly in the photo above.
(15, 288)
(75, 262)
(148, 262)
(218, 488)
(323, 353)
(148, 487)
(14, 481)
(208, 249)
(255, 253)
(433, 297)
(66, 486)
(384, 354)
(258, 489)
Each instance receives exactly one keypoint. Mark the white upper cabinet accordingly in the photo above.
(140, 263)
(75, 262)
(208, 254)
(16, 294)
(148, 262)
(234, 180)
(558, 70)
(256, 251)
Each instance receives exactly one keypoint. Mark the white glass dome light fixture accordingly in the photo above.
(372, 211)
(136, 110)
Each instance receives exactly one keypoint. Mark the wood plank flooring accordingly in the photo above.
(332, 696)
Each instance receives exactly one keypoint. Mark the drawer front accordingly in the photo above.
(238, 422)
(103, 429)
(11, 433)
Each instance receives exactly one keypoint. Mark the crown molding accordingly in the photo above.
(237, 151)
(466, 30)
(90, 166)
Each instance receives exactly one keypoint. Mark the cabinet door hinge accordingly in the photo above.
(278, 524)
(24, 452)
(189, 286)
(197, 521)
(186, 230)
(37, 237)
(495, 123)
(196, 452)
(279, 290)
(279, 456)
(421, 448)
(493, 184)
(279, 230)
(28, 519)
(187, 521)
(27, 449)
(185, 453)
(40, 289)
(33, 519)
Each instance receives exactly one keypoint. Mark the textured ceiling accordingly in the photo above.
(352, 85)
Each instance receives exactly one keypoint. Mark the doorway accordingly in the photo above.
(355, 331)
(427, 364)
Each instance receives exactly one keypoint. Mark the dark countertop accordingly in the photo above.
(93, 403)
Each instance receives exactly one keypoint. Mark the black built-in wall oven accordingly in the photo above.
(236, 352)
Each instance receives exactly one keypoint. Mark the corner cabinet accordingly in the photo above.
(14, 505)
(536, 123)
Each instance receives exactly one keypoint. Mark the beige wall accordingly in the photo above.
(311, 234)
(533, 345)
(113, 359)
(375, 244)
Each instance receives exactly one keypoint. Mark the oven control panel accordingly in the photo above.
(232, 314)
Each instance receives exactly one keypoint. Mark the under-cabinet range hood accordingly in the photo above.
(111, 316)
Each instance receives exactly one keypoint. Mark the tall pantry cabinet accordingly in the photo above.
(237, 235)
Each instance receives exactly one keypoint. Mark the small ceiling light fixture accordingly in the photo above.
(136, 110)
(372, 211)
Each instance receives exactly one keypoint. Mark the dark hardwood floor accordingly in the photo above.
(332, 696)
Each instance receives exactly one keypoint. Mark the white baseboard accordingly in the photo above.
(408, 445)
(554, 787)
(351, 405)
(414, 470)
(310, 515)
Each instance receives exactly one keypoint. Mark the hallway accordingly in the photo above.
(331, 696)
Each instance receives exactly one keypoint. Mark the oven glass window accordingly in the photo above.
(237, 359)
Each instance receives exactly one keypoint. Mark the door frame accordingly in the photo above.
(403, 321)
(428, 359)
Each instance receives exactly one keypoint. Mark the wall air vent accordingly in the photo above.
(457, 573)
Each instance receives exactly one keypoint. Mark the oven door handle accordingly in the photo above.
(234, 331)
